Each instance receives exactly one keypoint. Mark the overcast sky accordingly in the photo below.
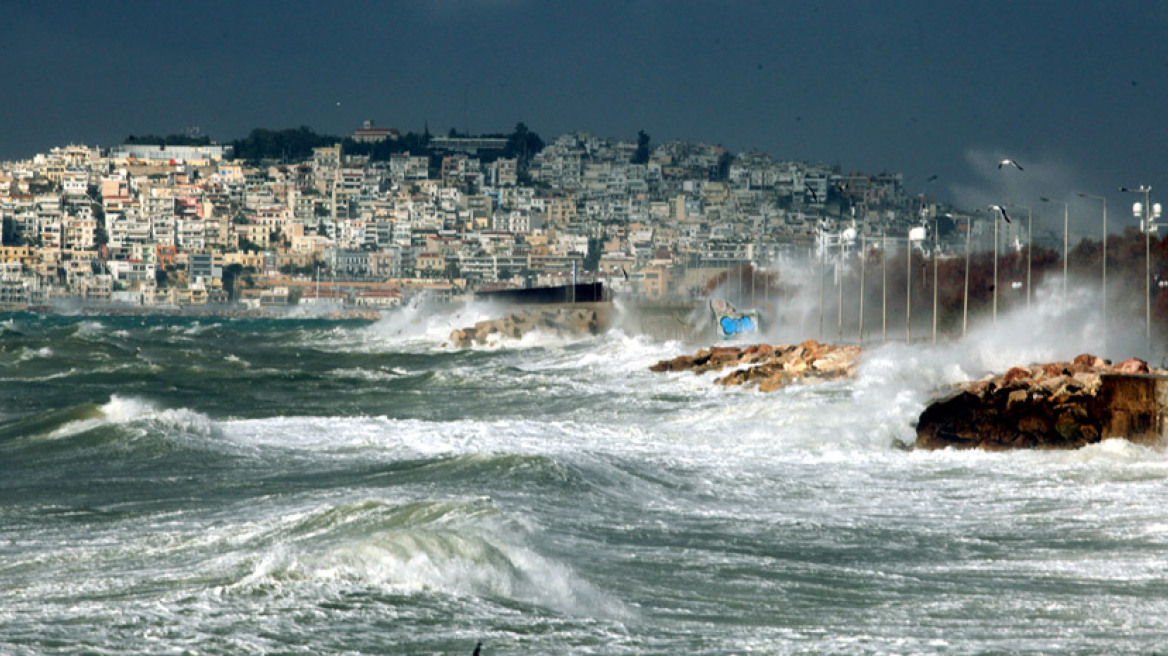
(1076, 91)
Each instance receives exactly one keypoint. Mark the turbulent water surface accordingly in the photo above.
(304, 486)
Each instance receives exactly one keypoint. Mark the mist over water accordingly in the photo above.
(803, 296)
(178, 485)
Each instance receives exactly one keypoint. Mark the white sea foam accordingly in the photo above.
(421, 548)
(173, 423)
(198, 328)
(27, 354)
(89, 327)
(121, 409)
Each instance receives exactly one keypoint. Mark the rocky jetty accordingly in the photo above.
(565, 321)
(770, 367)
(1058, 405)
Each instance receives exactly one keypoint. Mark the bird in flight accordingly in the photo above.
(1009, 162)
(1002, 210)
(814, 196)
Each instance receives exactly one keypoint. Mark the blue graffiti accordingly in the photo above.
(736, 325)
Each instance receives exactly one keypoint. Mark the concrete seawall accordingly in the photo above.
(686, 321)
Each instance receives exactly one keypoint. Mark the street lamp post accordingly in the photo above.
(840, 283)
(1066, 215)
(822, 266)
(1029, 241)
(884, 287)
(914, 234)
(908, 291)
(1147, 214)
(998, 212)
(1104, 284)
(965, 296)
(863, 267)
(936, 247)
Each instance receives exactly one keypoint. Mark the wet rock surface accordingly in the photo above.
(514, 325)
(769, 367)
(1056, 405)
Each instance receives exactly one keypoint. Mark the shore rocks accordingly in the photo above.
(770, 367)
(1057, 405)
(557, 321)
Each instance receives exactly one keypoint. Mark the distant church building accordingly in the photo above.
(369, 134)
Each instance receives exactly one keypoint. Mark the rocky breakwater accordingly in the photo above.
(564, 321)
(769, 367)
(1058, 405)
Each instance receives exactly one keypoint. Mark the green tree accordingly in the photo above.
(641, 155)
(9, 235)
(100, 236)
(247, 245)
(595, 249)
(292, 143)
(522, 145)
(724, 161)
(231, 274)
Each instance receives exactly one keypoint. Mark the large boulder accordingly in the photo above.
(565, 321)
(1057, 405)
(769, 367)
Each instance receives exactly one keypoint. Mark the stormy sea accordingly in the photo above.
(181, 485)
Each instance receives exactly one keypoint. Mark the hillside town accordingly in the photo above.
(162, 225)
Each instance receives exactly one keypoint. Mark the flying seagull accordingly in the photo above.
(1009, 162)
(814, 196)
(1002, 210)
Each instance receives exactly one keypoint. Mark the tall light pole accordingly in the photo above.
(908, 290)
(884, 287)
(1147, 214)
(863, 267)
(1029, 241)
(1066, 215)
(1104, 284)
(965, 296)
(822, 265)
(840, 283)
(936, 247)
(997, 213)
(914, 234)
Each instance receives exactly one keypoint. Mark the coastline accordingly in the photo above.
(189, 311)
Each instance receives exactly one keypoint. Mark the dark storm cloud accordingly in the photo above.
(914, 86)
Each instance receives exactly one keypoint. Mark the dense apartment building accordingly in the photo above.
(189, 225)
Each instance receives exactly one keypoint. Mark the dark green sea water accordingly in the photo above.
(304, 486)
